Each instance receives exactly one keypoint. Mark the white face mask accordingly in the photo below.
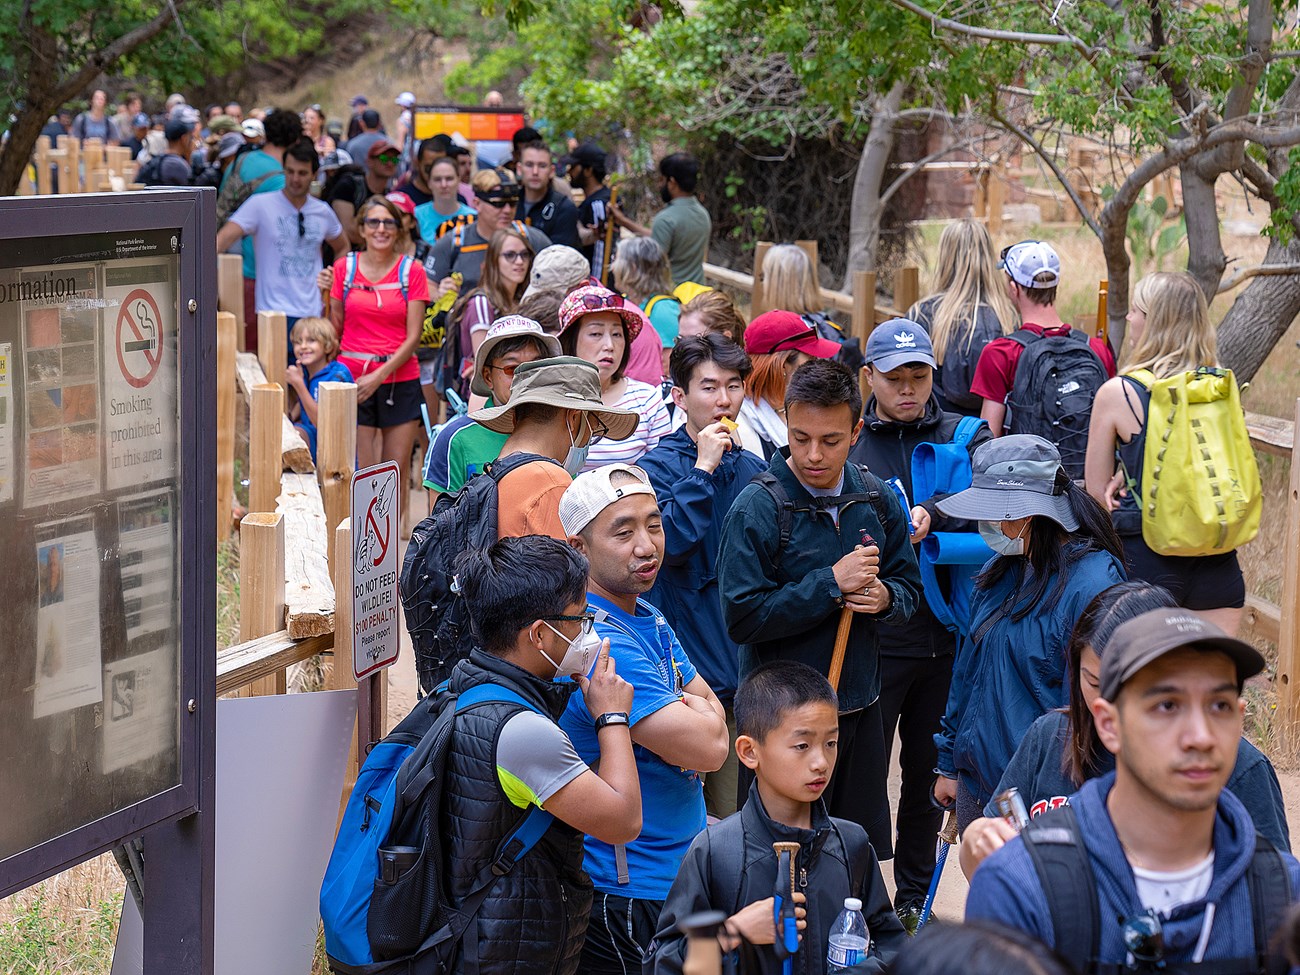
(991, 532)
(577, 456)
(579, 654)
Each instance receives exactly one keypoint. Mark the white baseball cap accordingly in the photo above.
(1030, 263)
(406, 99)
(591, 493)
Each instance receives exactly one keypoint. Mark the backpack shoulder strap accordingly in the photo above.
(350, 275)
(967, 427)
(1023, 337)
(1055, 845)
(1143, 377)
(498, 469)
(784, 510)
(727, 863)
(875, 494)
(1270, 899)
(403, 275)
(654, 300)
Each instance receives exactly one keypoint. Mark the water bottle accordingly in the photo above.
(847, 943)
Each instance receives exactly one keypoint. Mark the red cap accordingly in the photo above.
(780, 331)
(402, 202)
(383, 145)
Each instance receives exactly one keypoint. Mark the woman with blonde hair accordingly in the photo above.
(969, 309)
(1169, 332)
(711, 311)
(790, 284)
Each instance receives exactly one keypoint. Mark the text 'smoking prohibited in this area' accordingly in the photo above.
(375, 533)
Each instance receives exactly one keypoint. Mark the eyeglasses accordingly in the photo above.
(516, 257)
(507, 371)
(588, 621)
(302, 225)
(388, 157)
(375, 223)
(1144, 938)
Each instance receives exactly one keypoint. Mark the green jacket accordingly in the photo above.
(791, 610)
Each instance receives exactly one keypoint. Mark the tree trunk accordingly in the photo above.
(1114, 222)
(1205, 258)
(1261, 315)
(864, 218)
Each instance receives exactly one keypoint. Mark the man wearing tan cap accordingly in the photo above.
(1155, 866)
(554, 415)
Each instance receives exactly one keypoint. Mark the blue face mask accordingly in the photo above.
(991, 532)
(577, 456)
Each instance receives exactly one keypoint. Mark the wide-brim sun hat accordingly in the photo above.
(592, 299)
(566, 382)
(1014, 477)
(508, 327)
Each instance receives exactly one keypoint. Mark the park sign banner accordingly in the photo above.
(487, 131)
(107, 703)
(376, 527)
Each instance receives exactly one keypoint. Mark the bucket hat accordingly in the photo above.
(566, 382)
(593, 298)
(509, 327)
(557, 268)
(1014, 477)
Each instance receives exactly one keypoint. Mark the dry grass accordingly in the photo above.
(65, 925)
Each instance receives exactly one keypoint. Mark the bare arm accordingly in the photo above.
(340, 245)
(347, 215)
(227, 235)
(994, 414)
(1111, 420)
(691, 732)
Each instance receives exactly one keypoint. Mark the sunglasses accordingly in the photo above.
(790, 340)
(601, 302)
(515, 257)
(375, 223)
(1144, 938)
(388, 157)
(500, 204)
(302, 225)
(588, 621)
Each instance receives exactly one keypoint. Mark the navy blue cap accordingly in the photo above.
(898, 342)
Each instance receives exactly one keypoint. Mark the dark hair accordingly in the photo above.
(517, 581)
(976, 948)
(824, 383)
(517, 342)
(773, 689)
(1084, 752)
(536, 413)
(283, 128)
(435, 143)
(1041, 296)
(543, 307)
(1047, 553)
(303, 151)
(597, 169)
(692, 352)
(524, 136)
(682, 167)
(370, 119)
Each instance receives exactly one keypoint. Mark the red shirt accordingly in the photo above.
(995, 373)
(374, 318)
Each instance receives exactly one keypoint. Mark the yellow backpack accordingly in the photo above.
(1200, 491)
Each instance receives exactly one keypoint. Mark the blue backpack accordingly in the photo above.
(945, 468)
(383, 901)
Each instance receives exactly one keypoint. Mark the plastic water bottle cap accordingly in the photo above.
(852, 904)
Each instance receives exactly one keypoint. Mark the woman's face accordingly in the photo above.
(442, 181)
(692, 324)
(379, 229)
(601, 340)
(1137, 321)
(514, 262)
(1089, 676)
(794, 362)
(311, 121)
(98, 100)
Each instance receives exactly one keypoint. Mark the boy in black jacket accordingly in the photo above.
(916, 660)
(787, 724)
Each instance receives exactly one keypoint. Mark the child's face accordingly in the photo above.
(797, 757)
(309, 351)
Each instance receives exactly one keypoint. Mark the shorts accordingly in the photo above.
(620, 931)
(392, 405)
(1196, 582)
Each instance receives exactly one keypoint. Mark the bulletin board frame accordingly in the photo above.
(178, 819)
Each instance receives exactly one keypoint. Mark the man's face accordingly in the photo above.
(501, 370)
(902, 393)
(297, 178)
(235, 111)
(712, 393)
(574, 174)
(1174, 728)
(820, 438)
(535, 169)
(625, 544)
(464, 167)
(134, 106)
(385, 164)
(441, 180)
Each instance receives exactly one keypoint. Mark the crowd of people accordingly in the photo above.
(724, 584)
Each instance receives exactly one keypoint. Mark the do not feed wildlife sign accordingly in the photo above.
(375, 533)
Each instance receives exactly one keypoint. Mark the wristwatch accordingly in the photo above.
(612, 717)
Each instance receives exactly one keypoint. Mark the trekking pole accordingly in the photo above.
(607, 254)
(842, 634)
(1103, 319)
(947, 837)
(703, 953)
(786, 943)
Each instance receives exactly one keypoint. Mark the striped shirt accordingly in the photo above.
(655, 424)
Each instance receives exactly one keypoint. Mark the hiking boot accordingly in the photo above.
(910, 915)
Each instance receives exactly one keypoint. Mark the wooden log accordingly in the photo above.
(296, 453)
(907, 288)
(230, 290)
(308, 591)
(92, 155)
(809, 247)
(265, 463)
(864, 318)
(252, 660)
(70, 171)
(1288, 650)
(272, 344)
(44, 178)
(261, 586)
(226, 329)
(336, 451)
(1262, 620)
(997, 198)
(341, 675)
(1271, 434)
(758, 304)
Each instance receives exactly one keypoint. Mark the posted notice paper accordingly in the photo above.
(67, 621)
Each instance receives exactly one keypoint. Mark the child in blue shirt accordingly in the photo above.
(316, 347)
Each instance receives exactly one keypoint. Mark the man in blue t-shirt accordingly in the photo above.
(678, 725)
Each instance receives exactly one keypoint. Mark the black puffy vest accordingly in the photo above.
(535, 918)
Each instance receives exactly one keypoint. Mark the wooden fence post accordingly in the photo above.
(230, 291)
(70, 173)
(809, 247)
(226, 329)
(341, 671)
(261, 587)
(265, 457)
(1102, 331)
(1288, 650)
(756, 301)
(42, 160)
(864, 316)
(336, 453)
(272, 344)
(907, 288)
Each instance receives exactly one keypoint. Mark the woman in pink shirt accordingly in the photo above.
(377, 304)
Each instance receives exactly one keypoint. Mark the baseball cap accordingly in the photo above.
(176, 129)
(253, 129)
(564, 381)
(359, 100)
(1013, 477)
(1028, 259)
(229, 145)
(588, 154)
(1146, 638)
(401, 201)
(780, 331)
(507, 191)
(222, 124)
(557, 268)
(335, 160)
(591, 493)
(383, 145)
(508, 327)
(896, 343)
(406, 99)
(141, 121)
(593, 298)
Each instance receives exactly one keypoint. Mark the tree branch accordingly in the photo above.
(989, 34)
(100, 61)
(1051, 164)
(1240, 275)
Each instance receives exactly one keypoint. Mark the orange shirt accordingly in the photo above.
(528, 500)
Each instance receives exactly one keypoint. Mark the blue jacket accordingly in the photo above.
(1006, 888)
(791, 610)
(1017, 671)
(693, 504)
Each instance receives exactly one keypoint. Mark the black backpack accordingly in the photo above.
(1055, 844)
(1057, 379)
(785, 508)
(150, 174)
(435, 613)
(850, 355)
(952, 380)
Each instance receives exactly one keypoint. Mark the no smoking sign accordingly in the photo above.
(139, 338)
(375, 532)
